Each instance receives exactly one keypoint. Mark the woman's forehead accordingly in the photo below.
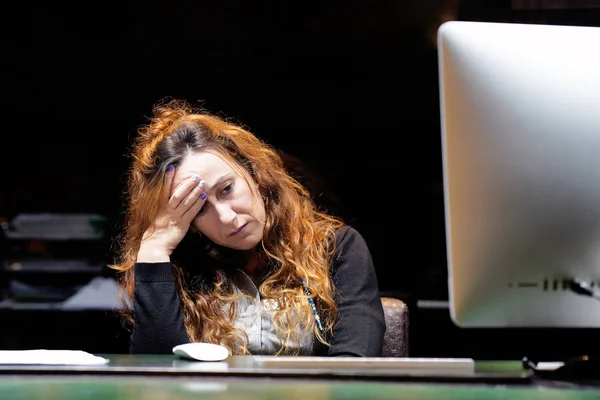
(206, 164)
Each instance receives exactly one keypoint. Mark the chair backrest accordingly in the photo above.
(395, 341)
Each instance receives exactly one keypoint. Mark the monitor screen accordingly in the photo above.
(520, 113)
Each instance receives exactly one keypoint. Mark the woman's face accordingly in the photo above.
(233, 214)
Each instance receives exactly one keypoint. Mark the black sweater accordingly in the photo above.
(358, 331)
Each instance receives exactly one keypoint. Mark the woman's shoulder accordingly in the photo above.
(351, 253)
(347, 231)
(347, 235)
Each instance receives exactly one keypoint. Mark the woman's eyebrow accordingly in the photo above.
(219, 181)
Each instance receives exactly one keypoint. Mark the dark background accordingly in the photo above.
(349, 87)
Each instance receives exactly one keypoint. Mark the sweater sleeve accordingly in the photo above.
(158, 320)
(360, 326)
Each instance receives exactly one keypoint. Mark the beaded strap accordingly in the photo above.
(312, 304)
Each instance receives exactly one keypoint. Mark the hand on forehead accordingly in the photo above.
(206, 166)
(180, 178)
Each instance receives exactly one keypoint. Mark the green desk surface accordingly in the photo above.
(165, 377)
(150, 388)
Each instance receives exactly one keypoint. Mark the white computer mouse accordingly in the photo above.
(201, 351)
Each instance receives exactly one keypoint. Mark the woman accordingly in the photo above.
(222, 245)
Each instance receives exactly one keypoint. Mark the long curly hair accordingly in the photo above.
(298, 241)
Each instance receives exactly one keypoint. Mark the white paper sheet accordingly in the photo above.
(50, 357)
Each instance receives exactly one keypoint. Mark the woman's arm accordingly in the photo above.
(360, 324)
(158, 320)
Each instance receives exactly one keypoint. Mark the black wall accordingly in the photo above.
(348, 87)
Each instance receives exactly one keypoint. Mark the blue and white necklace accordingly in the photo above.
(312, 305)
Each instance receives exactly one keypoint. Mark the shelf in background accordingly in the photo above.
(53, 266)
(9, 304)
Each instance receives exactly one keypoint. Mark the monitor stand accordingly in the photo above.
(585, 367)
(575, 369)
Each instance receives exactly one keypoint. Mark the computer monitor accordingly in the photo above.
(520, 125)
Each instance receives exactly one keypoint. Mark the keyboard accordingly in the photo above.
(412, 365)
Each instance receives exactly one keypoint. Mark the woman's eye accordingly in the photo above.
(202, 210)
(227, 188)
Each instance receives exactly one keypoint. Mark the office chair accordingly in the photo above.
(395, 341)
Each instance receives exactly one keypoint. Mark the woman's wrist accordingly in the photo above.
(151, 252)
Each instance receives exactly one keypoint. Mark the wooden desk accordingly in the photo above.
(165, 377)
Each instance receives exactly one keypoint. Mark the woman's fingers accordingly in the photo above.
(190, 201)
(168, 182)
(180, 206)
(182, 191)
(195, 202)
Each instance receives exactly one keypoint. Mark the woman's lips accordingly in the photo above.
(239, 230)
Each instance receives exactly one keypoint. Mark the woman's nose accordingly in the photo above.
(226, 213)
